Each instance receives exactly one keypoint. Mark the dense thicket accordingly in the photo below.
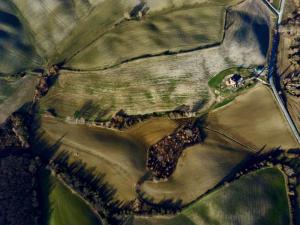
(18, 190)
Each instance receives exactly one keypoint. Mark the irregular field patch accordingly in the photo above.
(256, 198)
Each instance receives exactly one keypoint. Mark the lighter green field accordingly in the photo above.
(142, 89)
(17, 50)
(171, 29)
(96, 32)
(14, 92)
(63, 207)
(257, 198)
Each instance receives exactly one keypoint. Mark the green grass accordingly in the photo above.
(276, 4)
(257, 198)
(134, 92)
(215, 82)
(61, 206)
(224, 102)
(172, 29)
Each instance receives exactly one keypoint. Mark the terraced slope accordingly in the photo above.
(257, 198)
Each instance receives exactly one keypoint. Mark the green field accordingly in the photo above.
(257, 198)
(136, 88)
(276, 3)
(174, 31)
(14, 92)
(61, 206)
(96, 32)
(17, 50)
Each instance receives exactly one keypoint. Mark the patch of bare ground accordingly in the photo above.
(255, 120)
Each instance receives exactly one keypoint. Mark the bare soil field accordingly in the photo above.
(121, 156)
(255, 120)
(257, 198)
(199, 169)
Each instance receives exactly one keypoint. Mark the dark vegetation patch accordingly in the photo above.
(19, 201)
(163, 156)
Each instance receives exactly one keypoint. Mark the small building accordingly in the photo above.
(235, 80)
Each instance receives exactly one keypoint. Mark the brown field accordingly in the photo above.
(199, 169)
(121, 156)
(255, 120)
(152, 130)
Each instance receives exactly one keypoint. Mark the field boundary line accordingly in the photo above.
(232, 139)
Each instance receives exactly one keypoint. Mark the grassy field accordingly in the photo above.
(61, 206)
(199, 169)
(93, 29)
(165, 82)
(175, 30)
(121, 156)
(257, 198)
(17, 51)
(14, 92)
(276, 3)
(96, 32)
(254, 119)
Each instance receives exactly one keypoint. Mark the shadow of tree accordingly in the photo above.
(91, 185)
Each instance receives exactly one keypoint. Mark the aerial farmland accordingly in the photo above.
(143, 112)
